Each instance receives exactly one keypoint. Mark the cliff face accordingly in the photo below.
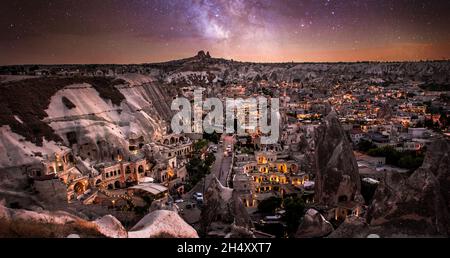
(337, 176)
(99, 121)
(417, 204)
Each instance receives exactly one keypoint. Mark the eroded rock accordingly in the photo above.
(314, 225)
(162, 224)
(337, 176)
(415, 204)
(223, 205)
(45, 224)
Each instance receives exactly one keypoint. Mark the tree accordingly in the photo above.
(295, 209)
(365, 145)
(199, 145)
(212, 137)
(269, 205)
(209, 160)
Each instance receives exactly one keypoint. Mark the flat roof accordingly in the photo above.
(152, 188)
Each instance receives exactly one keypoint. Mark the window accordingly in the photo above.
(128, 170)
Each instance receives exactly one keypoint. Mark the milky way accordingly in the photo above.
(112, 31)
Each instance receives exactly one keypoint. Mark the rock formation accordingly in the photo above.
(24, 223)
(337, 176)
(352, 227)
(162, 224)
(314, 225)
(110, 227)
(223, 205)
(417, 204)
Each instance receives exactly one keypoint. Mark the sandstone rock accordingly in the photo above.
(416, 204)
(437, 160)
(337, 175)
(24, 223)
(111, 227)
(162, 224)
(222, 204)
(314, 225)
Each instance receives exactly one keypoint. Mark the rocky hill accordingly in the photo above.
(100, 114)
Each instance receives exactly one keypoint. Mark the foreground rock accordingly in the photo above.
(314, 225)
(24, 223)
(417, 204)
(111, 227)
(162, 224)
(223, 206)
(337, 175)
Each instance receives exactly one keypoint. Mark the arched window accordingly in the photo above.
(128, 170)
(140, 169)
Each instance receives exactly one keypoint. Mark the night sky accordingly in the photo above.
(133, 31)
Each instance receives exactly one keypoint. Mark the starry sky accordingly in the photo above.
(139, 31)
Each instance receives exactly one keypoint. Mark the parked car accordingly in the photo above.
(179, 200)
(198, 197)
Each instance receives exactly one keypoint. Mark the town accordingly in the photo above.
(104, 146)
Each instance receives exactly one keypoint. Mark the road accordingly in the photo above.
(219, 169)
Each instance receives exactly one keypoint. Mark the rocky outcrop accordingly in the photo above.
(24, 223)
(417, 204)
(352, 227)
(162, 224)
(110, 227)
(313, 225)
(223, 205)
(337, 176)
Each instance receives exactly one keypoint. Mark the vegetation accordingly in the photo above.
(406, 159)
(197, 167)
(212, 137)
(365, 145)
(199, 146)
(269, 205)
(295, 210)
(293, 205)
